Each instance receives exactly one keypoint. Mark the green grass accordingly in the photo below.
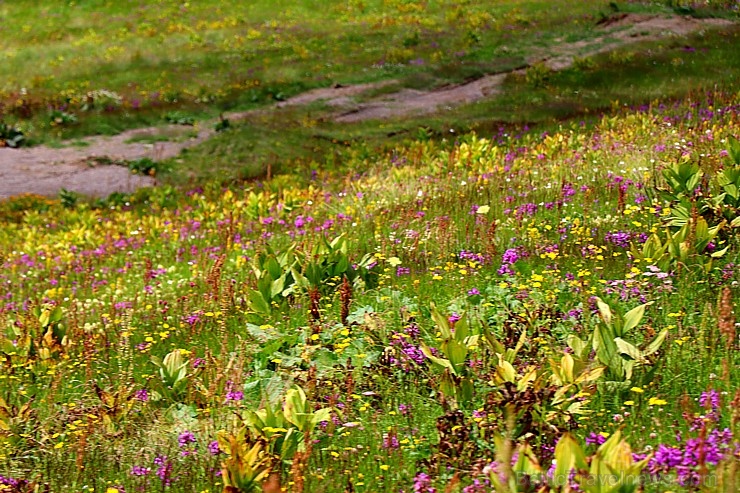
(633, 76)
(209, 57)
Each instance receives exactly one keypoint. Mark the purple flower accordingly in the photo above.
(164, 471)
(213, 448)
(618, 238)
(390, 441)
(231, 394)
(473, 292)
(140, 471)
(423, 484)
(595, 439)
(186, 438)
(710, 399)
(142, 395)
(510, 256)
(667, 457)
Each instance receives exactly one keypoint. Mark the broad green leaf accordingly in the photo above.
(497, 347)
(720, 253)
(626, 348)
(632, 318)
(566, 368)
(511, 353)
(569, 455)
(257, 302)
(44, 318)
(656, 343)
(273, 267)
(323, 414)
(442, 323)
(590, 375)
(439, 361)
(506, 372)
(278, 285)
(578, 345)
(457, 354)
(526, 379)
(300, 280)
(461, 328)
(341, 266)
(604, 311)
(527, 462)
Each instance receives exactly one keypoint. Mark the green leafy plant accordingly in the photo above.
(222, 124)
(284, 426)
(11, 136)
(59, 118)
(247, 464)
(686, 247)
(115, 406)
(620, 356)
(40, 336)
(15, 421)
(456, 382)
(144, 166)
(611, 469)
(531, 395)
(68, 198)
(291, 272)
(717, 200)
(329, 262)
(276, 275)
(177, 118)
(173, 373)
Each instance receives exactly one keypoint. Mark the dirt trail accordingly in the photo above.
(619, 31)
(44, 170)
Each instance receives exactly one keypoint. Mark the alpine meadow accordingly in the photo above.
(382, 246)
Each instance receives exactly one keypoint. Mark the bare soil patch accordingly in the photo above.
(45, 170)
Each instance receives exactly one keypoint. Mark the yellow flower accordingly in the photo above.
(629, 403)
(654, 401)
(637, 389)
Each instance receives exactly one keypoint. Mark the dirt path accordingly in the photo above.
(45, 170)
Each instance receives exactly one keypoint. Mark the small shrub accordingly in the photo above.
(101, 99)
(538, 75)
(144, 166)
(177, 118)
(61, 118)
(222, 124)
(68, 198)
(11, 136)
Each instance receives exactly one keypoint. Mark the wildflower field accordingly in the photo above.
(545, 309)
